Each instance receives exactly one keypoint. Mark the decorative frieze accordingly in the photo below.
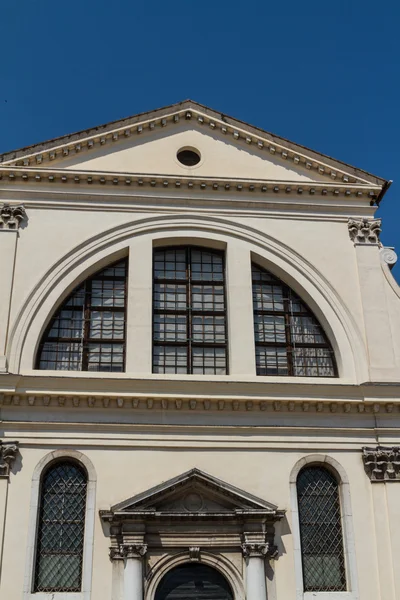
(17, 174)
(198, 404)
(11, 216)
(382, 463)
(8, 453)
(365, 231)
(263, 550)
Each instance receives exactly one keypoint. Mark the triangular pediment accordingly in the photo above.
(148, 143)
(195, 492)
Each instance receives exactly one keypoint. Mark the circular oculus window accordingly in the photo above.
(188, 157)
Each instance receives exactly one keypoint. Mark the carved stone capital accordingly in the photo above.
(116, 553)
(8, 453)
(134, 550)
(11, 216)
(365, 231)
(264, 550)
(382, 463)
(194, 553)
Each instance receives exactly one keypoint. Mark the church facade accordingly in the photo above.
(199, 368)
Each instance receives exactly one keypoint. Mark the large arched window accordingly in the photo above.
(320, 530)
(189, 314)
(88, 332)
(60, 537)
(288, 338)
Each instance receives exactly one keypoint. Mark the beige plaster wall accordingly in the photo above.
(124, 472)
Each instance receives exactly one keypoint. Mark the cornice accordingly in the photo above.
(235, 130)
(134, 182)
(198, 404)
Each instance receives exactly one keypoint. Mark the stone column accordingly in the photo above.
(8, 452)
(10, 218)
(117, 584)
(255, 555)
(133, 571)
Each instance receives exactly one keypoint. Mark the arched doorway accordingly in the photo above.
(193, 581)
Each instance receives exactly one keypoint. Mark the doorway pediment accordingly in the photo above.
(193, 494)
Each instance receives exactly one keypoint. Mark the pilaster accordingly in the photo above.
(139, 313)
(365, 235)
(8, 453)
(240, 310)
(10, 218)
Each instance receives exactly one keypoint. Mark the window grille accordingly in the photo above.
(189, 314)
(59, 546)
(288, 338)
(88, 332)
(320, 531)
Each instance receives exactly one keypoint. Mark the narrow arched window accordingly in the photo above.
(288, 338)
(60, 537)
(88, 332)
(189, 314)
(320, 530)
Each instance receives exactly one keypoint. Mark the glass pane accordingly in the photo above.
(269, 328)
(313, 362)
(208, 329)
(106, 357)
(170, 359)
(206, 266)
(208, 298)
(170, 328)
(271, 361)
(170, 296)
(209, 361)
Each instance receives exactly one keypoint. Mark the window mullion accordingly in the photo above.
(288, 329)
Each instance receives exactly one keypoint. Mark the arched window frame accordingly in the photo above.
(337, 470)
(30, 563)
(188, 313)
(289, 344)
(88, 309)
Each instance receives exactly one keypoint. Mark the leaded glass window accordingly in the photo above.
(88, 332)
(288, 338)
(320, 531)
(189, 314)
(59, 546)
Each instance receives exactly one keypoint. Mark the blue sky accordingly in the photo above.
(325, 75)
